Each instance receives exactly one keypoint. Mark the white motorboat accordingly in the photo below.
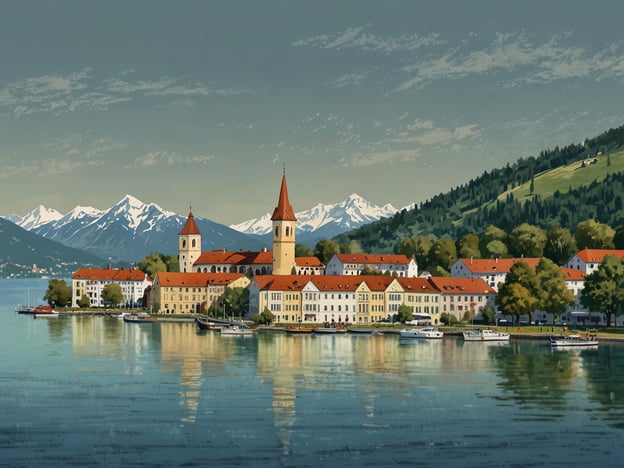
(429, 333)
(573, 341)
(485, 335)
(236, 330)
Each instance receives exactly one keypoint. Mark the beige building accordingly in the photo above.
(192, 293)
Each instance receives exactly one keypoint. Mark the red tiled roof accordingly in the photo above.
(189, 228)
(217, 257)
(461, 285)
(572, 274)
(110, 274)
(308, 261)
(495, 265)
(417, 285)
(373, 259)
(598, 255)
(196, 279)
(337, 282)
(283, 211)
(282, 282)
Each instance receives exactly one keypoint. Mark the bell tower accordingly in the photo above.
(189, 244)
(284, 221)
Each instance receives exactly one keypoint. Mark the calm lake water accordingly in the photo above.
(93, 391)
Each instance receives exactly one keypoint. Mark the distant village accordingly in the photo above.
(303, 290)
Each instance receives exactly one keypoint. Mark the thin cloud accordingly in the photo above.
(167, 158)
(358, 38)
(382, 157)
(530, 61)
(58, 94)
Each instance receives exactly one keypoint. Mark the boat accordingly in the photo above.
(45, 315)
(237, 330)
(31, 310)
(329, 330)
(205, 324)
(299, 330)
(428, 333)
(573, 341)
(485, 335)
(139, 318)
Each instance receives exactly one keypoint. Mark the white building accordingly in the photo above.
(91, 281)
(354, 264)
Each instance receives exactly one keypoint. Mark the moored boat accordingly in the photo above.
(205, 324)
(236, 330)
(329, 330)
(428, 333)
(485, 335)
(139, 318)
(299, 330)
(46, 315)
(573, 341)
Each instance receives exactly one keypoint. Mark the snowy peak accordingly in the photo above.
(354, 211)
(37, 217)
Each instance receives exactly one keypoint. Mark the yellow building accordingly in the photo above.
(191, 293)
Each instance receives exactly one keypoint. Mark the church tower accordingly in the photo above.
(189, 244)
(283, 233)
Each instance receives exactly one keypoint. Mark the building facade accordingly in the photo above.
(192, 292)
(353, 265)
(91, 282)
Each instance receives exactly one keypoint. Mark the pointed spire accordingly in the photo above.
(283, 211)
(190, 228)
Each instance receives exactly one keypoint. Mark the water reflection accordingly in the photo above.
(541, 383)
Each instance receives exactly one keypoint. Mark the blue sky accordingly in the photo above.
(201, 103)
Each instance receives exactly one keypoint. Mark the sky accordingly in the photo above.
(203, 104)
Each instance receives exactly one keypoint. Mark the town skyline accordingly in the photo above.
(202, 104)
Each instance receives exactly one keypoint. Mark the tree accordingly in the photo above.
(491, 234)
(325, 250)
(618, 238)
(515, 300)
(352, 247)
(552, 292)
(112, 293)
(58, 293)
(417, 248)
(404, 314)
(448, 319)
(592, 235)
(468, 246)
(303, 251)
(527, 240)
(488, 314)
(267, 316)
(84, 301)
(560, 245)
(496, 249)
(443, 254)
(157, 262)
(604, 288)
(237, 301)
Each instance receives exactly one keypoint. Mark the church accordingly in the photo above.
(280, 261)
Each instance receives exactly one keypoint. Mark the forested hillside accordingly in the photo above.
(494, 198)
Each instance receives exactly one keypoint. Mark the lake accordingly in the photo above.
(93, 391)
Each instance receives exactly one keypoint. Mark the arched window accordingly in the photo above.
(276, 231)
(183, 243)
(287, 231)
(193, 243)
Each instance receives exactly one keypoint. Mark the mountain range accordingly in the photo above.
(131, 229)
(323, 221)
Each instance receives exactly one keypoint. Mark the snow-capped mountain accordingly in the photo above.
(130, 230)
(324, 221)
(38, 217)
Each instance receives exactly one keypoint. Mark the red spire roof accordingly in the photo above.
(190, 227)
(283, 210)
